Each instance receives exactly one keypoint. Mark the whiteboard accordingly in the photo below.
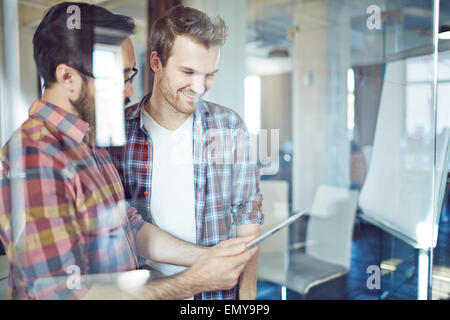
(401, 194)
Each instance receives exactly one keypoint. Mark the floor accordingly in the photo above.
(372, 246)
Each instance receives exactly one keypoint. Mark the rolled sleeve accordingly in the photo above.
(249, 212)
(247, 198)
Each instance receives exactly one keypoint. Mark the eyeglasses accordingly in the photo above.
(132, 74)
(86, 73)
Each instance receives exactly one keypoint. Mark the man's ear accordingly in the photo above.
(155, 62)
(67, 78)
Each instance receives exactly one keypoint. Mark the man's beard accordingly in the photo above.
(85, 105)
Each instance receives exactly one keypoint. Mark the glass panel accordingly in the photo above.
(350, 106)
(440, 277)
(2, 76)
(46, 239)
(367, 133)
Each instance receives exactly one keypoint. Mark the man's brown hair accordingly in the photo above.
(185, 21)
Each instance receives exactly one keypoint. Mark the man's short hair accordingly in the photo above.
(55, 43)
(185, 21)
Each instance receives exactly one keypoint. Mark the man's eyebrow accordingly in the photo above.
(195, 71)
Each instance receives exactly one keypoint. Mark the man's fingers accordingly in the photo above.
(234, 246)
(247, 239)
(247, 255)
(241, 261)
(231, 250)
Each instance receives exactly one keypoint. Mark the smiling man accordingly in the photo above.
(187, 166)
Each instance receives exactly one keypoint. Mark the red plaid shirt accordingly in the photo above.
(62, 207)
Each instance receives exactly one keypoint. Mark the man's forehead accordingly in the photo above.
(186, 42)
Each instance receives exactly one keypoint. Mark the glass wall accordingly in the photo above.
(369, 146)
(20, 88)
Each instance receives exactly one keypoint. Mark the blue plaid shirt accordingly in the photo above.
(226, 179)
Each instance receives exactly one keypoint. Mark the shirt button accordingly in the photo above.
(147, 143)
(146, 193)
(147, 166)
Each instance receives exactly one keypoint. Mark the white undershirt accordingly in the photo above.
(172, 198)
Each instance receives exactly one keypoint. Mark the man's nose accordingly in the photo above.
(128, 93)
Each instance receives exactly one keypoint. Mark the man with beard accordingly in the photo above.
(187, 166)
(63, 215)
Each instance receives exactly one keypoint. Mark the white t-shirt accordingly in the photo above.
(173, 197)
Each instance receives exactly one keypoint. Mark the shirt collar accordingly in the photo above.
(134, 112)
(65, 122)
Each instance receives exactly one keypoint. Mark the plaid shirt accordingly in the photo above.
(62, 208)
(226, 180)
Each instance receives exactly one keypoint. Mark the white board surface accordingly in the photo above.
(402, 188)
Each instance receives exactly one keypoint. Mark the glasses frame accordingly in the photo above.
(86, 73)
(130, 79)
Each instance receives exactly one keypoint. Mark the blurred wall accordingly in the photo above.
(321, 60)
(276, 104)
(228, 88)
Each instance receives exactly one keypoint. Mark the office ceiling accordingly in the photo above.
(271, 23)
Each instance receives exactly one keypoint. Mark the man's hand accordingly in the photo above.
(220, 267)
(216, 268)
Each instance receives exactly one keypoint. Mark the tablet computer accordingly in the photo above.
(277, 228)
